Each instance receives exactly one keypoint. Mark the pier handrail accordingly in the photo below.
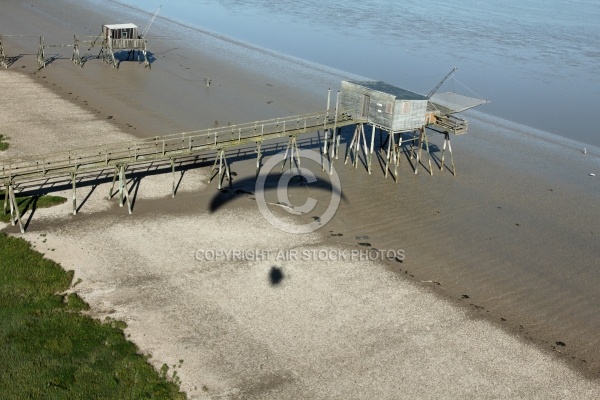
(165, 147)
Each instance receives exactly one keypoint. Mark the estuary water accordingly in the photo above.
(538, 62)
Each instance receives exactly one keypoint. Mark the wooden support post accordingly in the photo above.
(397, 157)
(324, 150)
(123, 190)
(419, 151)
(14, 209)
(292, 147)
(110, 192)
(173, 175)
(365, 148)
(423, 138)
(370, 162)
(5, 198)
(122, 185)
(351, 147)
(74, 180)
(335, 138)
(3, 60)
(447, 141)
(146, 61)
(76, 58)
(325, 143)
(41, 57)
(223, 168)
(427, 148)
(391, 155)
(258, 157)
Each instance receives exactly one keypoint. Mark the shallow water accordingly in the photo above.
(536, 61)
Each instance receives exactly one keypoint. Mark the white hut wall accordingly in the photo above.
(409, 115)
(367, 103)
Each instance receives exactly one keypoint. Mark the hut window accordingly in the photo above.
(405, 107)
(388, 107)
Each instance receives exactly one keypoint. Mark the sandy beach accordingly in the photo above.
(496, 296)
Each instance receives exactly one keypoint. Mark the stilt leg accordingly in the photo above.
(351, 147)
(370, 162)
(337, 143)
(444, 150)
(427, 148)
(451, 157)
(387, 156)
(419, 152)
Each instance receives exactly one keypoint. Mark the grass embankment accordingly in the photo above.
(30, 202)
(49, 349)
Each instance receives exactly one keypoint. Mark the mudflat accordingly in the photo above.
(496, 295)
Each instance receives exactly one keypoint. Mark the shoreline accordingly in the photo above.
(420, 189)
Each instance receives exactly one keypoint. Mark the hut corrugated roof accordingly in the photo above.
(401, 94)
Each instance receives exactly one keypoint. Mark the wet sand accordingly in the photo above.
(497, 294)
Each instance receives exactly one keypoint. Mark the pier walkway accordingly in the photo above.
(78, 165)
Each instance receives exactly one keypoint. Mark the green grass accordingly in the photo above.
(30, 202)
(3, 143)
(50, 350)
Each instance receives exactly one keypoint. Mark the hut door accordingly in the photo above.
(365, 106)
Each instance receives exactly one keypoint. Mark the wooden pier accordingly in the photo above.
(83, 164)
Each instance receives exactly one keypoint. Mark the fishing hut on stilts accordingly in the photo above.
(387, 110)
(401, 116)
(116, 37)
